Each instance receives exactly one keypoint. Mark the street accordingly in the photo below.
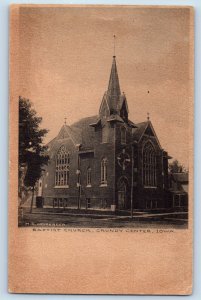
(94, 220)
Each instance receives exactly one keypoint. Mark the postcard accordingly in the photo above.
(101, 149)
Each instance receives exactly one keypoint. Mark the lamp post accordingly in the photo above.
(79, 187)
(132, 173)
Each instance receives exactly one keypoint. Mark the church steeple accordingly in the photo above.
(114, 103)
(113, 91)
(113, 86)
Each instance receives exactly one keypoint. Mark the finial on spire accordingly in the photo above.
(148, 116)
(65, 120)
(114, 36)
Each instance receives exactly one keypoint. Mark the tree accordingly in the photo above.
(32, 152)
(176, 167)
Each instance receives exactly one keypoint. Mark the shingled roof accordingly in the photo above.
(113, 91)
(85, 122)
(63, 136)
(80, 133)
(138, 132)
(113, 96)
(85, 130)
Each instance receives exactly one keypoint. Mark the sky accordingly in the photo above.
(65, 58)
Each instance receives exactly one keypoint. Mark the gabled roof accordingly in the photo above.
(180, 177)
(122, 100)
(79, 133)
(65, 134)
(68, 132)
(104, 100)
(140, 131)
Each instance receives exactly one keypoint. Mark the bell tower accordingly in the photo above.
(114, 103)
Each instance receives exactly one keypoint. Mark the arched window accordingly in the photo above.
(104, 171)
(89, 176)
(123, 135)
(62, 167)
(149, 165)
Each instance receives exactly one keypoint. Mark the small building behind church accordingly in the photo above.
(106, 161)
(178, 191)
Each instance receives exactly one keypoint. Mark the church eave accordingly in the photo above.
(115, 120)
(96, 123)
(131, 124)
(84, 151)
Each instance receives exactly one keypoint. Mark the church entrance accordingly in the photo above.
(122, 194)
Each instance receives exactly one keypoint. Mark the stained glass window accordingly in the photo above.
(62, 167)
(104, 171)
(149, 165)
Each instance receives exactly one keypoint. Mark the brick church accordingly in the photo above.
(106, 161)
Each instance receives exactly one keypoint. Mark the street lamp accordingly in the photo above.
(132, 172)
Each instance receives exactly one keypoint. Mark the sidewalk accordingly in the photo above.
(102, 219)
(123, 215)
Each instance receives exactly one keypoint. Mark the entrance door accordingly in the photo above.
(121, 199)
(122, 195)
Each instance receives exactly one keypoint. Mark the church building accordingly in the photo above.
(106, 161)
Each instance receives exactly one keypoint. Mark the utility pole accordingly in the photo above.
(132, 173)
(78, 172)
(132, 166)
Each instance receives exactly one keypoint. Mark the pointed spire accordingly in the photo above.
(112, 99)
(114, 87)
(114, 36)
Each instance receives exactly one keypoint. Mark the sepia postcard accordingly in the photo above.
(101, 149)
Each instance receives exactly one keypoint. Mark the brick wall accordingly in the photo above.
(100, 196)
(97, 195)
